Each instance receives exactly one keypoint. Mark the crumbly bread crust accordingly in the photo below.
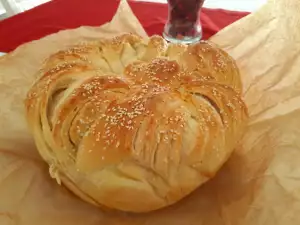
(136, 125)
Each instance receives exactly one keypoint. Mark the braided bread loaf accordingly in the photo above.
(136, 125)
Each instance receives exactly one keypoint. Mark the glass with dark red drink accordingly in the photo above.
(183, 24)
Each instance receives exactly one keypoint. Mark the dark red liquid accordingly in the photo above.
(183, 15)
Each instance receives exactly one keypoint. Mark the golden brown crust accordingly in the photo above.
(136, 126)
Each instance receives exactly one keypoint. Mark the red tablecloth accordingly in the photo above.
(57, 15)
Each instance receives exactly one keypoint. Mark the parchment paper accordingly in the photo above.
(260, 185)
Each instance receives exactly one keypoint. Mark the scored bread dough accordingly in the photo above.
(136, 125)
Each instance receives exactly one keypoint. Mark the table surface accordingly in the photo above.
(234, 5)
(59, 15)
